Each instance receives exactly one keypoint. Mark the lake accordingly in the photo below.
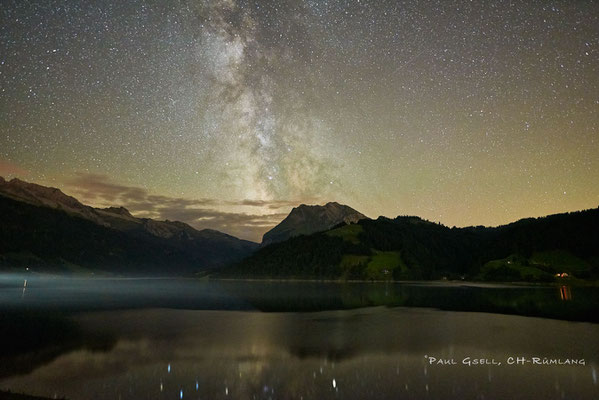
(189, 339)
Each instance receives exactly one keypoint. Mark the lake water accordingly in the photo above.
(191, 339)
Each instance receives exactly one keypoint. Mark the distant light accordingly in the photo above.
(227, 391)
(334, 383)
(181, 393)
(197, 385)
(169, 368)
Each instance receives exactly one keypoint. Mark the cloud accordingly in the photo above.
(271, 204)
(9, 169)
(243, 225)
(205, 213)
(100, 190)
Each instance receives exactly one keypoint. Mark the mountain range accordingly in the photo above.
(46, 229)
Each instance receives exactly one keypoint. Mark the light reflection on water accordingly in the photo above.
(184, 351)
(565, 293)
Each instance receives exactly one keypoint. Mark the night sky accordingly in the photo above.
(225, 114)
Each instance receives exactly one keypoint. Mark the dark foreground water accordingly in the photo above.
(173, 339)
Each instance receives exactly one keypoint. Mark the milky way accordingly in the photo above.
(227, 113)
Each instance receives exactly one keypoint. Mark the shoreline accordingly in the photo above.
(207, 277)
(435, 282)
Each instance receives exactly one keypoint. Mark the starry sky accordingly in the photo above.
(225, 114)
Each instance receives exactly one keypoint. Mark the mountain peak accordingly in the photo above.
(122, 211)
(307, 219)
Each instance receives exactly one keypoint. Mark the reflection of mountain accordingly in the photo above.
(304, 220)
(409, 248)
(312, 296)
(371, 353)
(119, 334)
(44, 228)
(268, 296)
(34, 338)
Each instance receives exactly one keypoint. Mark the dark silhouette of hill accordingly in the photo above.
(533, 249)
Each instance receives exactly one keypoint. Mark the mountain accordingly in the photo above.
(410, 248)
(44, 228)
(47, 197)
(305, 220)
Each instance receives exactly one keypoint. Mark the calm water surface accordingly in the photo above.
(173, 339)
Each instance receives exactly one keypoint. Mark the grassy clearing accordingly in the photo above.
(379, 266)
(382, 264)
(514, 268)
(349, 233)
(559, 261)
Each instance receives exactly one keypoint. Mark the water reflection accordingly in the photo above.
(565, 292)
(352, 354)
(168, 339)
(100, 294)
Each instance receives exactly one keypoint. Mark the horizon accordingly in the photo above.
(226, 114)
(259, 239)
